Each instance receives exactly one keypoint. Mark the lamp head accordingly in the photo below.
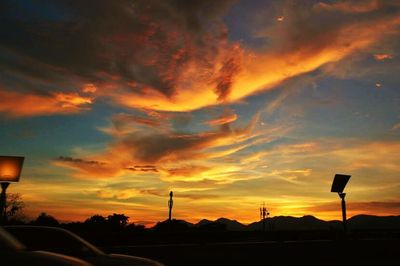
(10, 168)
(339, 182)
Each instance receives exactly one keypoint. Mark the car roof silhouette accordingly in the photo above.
(13, 252)
(65, 242)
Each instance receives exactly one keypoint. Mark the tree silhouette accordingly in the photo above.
(117, 220)
(14, 207)
(96, 219)
(45, 219)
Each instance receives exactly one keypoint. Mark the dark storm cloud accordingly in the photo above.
(142, 41)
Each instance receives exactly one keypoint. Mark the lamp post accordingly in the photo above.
(10, 171)
(339, 182)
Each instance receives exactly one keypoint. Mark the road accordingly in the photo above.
(319, 252)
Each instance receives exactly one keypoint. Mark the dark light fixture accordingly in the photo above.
(338, 185)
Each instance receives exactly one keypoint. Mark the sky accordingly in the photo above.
(229, 104)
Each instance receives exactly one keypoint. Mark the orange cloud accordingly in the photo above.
(234, 73)
(332, 210)
(191, 170)
(175, 63)
(18, 104)
(120, 194)
(89, 88)
(382, 154)
(351, 154)
(381, 57)
(161, 152)
(172, 147)
(89, 168)
(143, 168)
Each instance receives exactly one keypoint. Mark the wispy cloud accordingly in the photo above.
(19, 104)
(225, 118)
(381, 208)
(160, 150)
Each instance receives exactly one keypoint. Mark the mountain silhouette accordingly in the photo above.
(174, 224)
(221, 224)
(308, 222)
(203, 222)
(232, 225)
(284, 223)
(374, 222)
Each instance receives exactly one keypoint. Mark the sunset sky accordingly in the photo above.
(227, 103)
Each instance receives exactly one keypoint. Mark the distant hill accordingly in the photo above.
(374, 222)
(222, 223)
(175, 225)
(308, 222)
(284, 223)
(203, 222)
(232, 225)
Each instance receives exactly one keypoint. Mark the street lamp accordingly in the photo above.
(339, 182)
(10, 171)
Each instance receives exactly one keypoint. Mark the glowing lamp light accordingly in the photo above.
(10, 168)
(10, 171)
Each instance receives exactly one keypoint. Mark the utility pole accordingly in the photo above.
(263, 214)
(170, 204)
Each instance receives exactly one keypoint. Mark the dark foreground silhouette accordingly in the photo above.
(61, 241)
(343, 252)
(371, 240)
